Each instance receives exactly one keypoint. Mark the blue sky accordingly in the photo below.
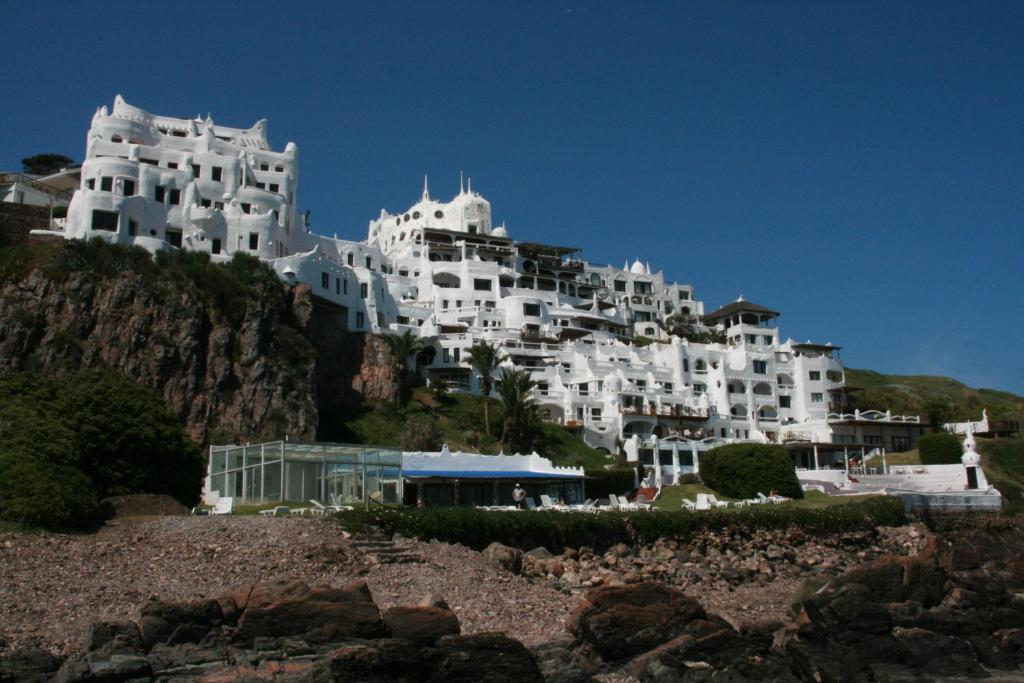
(858, 166)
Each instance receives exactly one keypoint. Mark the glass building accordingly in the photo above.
(286, 471)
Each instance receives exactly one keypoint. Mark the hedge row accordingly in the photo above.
(557, 530)
(940, 448)
(742, 470)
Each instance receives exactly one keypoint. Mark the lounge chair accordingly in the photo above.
(689, 505)
(320, 509)
(715, 503)
(702, 502)
(530, 505)
(278, 511)
(641, 502)
(224, 506)
(546, 503)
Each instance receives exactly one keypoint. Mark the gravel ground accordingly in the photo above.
(52, 587)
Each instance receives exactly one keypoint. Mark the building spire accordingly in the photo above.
(469, 184)
(462, 189)
(426, 189)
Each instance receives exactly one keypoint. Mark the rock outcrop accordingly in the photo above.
(234, 359)
(947, 612)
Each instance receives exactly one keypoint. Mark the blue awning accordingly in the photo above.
(485, 474)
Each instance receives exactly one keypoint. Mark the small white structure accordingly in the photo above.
(446, 478)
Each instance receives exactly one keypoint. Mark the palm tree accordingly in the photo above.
(522, 421)
(485, 360)
(402, 347)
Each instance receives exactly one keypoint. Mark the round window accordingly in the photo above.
(415, 214)
(407, 217)
(439, 214)
(398, 221)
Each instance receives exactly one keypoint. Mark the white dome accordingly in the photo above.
(637, 268)
(500, 232)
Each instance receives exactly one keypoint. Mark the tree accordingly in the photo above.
(521, 431)
(742, 470)
(66, 443)
(402, 347)
(45, 164)
(485, 360)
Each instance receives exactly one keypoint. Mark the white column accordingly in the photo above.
(675, 462)
(696, 460)
(815, 456)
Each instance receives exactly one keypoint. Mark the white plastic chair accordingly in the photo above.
(702, 502)
(714, 502)
(224, 506)
(689, 505)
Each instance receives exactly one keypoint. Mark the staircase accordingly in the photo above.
(377, 549)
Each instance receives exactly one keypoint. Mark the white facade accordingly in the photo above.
(592, 335)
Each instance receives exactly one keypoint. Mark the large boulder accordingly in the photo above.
(27, 664)
(381, 661)
(179, 622)
(505, 557)
(121, 637)
(624, 621)
(317, 615)
(483, 658)
(421, 625)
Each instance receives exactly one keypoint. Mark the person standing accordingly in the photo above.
(519, 496)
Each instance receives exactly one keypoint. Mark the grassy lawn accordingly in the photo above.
(1003, 462)
(905, 458)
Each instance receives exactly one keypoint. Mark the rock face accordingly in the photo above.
(265, 363)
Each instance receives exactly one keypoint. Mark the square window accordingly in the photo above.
(174, 197)
(172, 164)
(620, 285)
(246, 208)
(279, 168)
(205, 202)
(337, 285)
(129, 187)
(760, 367)
(158, 193)
(196, 170)
(133, 227)
(814, 375)
(261, 186)
(817, 398)
(369, 263)
(106, 184)
(350, 258)
(215, 173)
(215, 247)
(151, 162)
(344, 286)
(482, 285)
(264, 167)
(785, 402)
(325, 280)
(91, 183)
(254, 241)
(363, 291)
(218, 205)
(359, 321)
(274, 187)
(173, 237)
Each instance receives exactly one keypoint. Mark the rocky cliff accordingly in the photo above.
(236, 354)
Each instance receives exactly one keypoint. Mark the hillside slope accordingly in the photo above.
(941, 399)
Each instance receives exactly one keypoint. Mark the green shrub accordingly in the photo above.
(559, 530)
(940, 448)
(689, 479)
(743, 470)
(67, 442)
(39, 494)
(600, 483)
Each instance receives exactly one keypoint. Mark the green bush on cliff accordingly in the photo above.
(742, 470)
(67, 442)
(940, 448)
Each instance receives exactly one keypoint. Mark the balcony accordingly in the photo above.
(672, 412)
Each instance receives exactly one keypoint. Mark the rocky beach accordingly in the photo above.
(172, 598)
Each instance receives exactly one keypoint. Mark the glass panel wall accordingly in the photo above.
(283, 471)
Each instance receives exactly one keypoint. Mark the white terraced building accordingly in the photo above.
(593, 336)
